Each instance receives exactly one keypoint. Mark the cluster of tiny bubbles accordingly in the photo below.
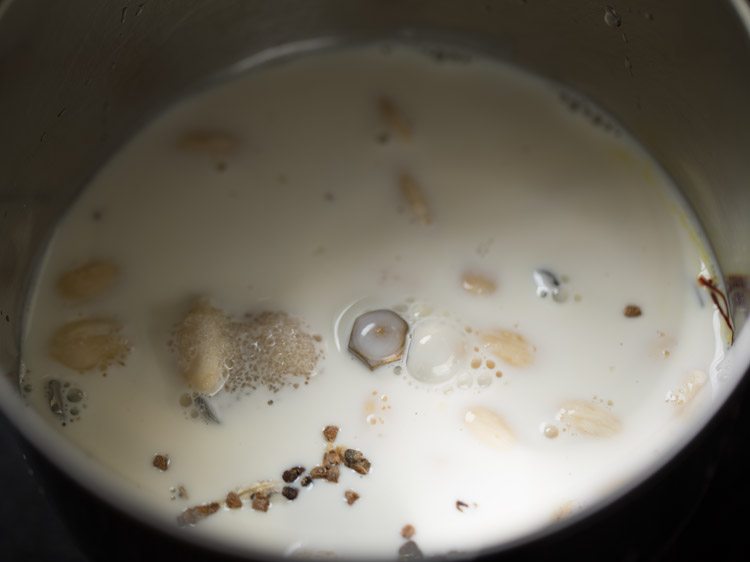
(439, 350)
(267, 350)
(65, 400)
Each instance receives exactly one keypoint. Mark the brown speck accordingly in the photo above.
(461, 506)
(328, 196)
(292, 474)
(408, 531)
(318, 472)
(261, 502)
(356, 461)
(290, 492)
(632, 311)
(306, 481)
(499, 374)
(182, 492)
(351, 496)
(270, 402)
(330, 433)
(233, 501)
(193, 515)
(161, 462)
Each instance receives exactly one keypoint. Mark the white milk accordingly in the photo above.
(305, 215)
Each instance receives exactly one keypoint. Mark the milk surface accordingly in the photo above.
(304, 215)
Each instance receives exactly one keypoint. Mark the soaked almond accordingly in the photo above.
(212, 143)
(477, 284)
(563, 511)
(87, 281)
(489, 427)
(687, 391)
(589, 418)
(201, 345)
(89, 344)
(509, 346)
(394, 118)
(412, 192)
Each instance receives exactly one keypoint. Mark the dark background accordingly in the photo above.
(695, 514)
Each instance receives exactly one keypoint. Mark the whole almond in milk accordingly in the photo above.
(366, 303)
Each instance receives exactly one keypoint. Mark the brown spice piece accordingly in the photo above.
(351, 496)
(318, 472)
(330, 433)
(161, 462)
(306, 481)
(292, 474)
(461, 506)
(290, 492)
(331, 458)
(261, 501)
(193, 515)
(356, 461)
(182, 492)
(408, 531)
(332, 473)
(632, 311)
(233, 501)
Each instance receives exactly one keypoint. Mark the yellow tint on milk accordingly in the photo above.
(298, 208)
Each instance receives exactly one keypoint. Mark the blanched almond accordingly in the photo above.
(477, 283)
(89, 344)
(563, 511)
(393, 118)
(412, 192)
(687, 391)
(212, 143)
(202, 347)
(589, 418)
(87, 281)
(489, 427)
(509, 346)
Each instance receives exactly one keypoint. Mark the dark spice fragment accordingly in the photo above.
(408, 531)
(233, 501)
(261, 501)
(292, 474)
(161, 462)
(193, 515)
(461, 506)
(632, 311)
(318, 472)
(410, 551)
(330, 433)
(306, 481)
(351, 496)
(289, 492)
(356, 461)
